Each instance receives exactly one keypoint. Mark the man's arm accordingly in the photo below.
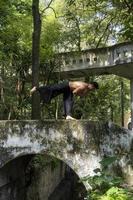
(78, 90)
(81, 91)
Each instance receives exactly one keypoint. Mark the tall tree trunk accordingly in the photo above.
(35, 57)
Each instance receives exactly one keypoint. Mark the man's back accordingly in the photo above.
(76, 84)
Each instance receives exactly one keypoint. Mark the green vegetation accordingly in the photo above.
(40, 162)
(65, 25)
(106, 186)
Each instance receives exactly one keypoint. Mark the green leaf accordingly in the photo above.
(108, 161)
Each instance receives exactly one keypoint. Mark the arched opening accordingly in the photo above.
(39, 177)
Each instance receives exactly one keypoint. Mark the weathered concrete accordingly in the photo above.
(13, 181)
(117, 59)
(44, 179)
(80, 144)
(131, 97)
(30, 177)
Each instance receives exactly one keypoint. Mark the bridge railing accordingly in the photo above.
(97, 58)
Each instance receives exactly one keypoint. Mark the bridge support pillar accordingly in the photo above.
(131, 91)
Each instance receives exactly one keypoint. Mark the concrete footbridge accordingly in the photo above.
(117, 59)
(80, 144)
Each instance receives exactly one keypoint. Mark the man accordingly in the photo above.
(68, 89)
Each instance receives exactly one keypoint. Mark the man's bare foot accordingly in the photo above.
(32, 90)
(69, 117)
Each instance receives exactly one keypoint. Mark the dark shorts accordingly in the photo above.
(50, 91)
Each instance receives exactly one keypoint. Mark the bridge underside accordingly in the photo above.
(125, 71)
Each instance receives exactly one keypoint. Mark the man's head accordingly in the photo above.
(93, 86)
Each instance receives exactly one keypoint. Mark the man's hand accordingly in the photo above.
(81, 91)
(78, 90)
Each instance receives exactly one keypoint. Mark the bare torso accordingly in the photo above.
(79, 88)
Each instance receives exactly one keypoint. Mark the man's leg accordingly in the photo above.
(44, 91)
(51, 91)
(68, 103)
(59, 88)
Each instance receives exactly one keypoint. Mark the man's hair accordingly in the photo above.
(95, 84)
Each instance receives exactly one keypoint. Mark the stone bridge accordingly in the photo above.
(116, 59)
(80, 144)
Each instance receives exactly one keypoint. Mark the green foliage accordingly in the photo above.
(116, 193)
(105, 162)
(100, 22)
(66, 25)
(15, 57)
(106, 186)
(105, 103)
(39, 162)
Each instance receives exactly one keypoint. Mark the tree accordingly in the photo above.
(65, 26)
(35, 57)
(15, 55)
(100, 22)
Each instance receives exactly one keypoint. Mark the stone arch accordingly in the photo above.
(80, 144)
(11, 158)
(15, 175)
(74, 161)
(66, 141)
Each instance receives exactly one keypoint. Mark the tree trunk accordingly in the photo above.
(35, 57)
